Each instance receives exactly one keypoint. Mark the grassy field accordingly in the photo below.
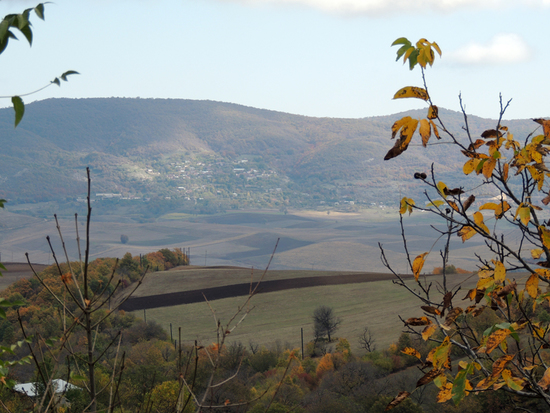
(280, 315)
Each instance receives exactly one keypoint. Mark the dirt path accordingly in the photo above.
(236, 290)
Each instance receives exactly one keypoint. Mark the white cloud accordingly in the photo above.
(392, 6)
(502, 48)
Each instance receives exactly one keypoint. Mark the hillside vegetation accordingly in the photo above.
(152, 156)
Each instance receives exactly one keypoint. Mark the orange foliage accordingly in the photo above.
(325, 364)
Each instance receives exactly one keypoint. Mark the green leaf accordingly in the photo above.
(19, 108)
(22, 20)
(2, 202)
(68, 73)
(2, 313)
(27, 32)
(413, 59)
(459, 384)
(39, 10)
(401, 40)
(4, 26)
(50, 342)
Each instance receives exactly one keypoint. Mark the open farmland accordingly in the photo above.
(280, 315)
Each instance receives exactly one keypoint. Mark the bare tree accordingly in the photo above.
(367, 340)
(325, 322)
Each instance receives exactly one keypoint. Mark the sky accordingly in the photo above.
(322, 58)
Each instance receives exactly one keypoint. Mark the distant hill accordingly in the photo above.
(204, 154)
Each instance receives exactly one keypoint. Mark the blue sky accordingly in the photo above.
(309, 57)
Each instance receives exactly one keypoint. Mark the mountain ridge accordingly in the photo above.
(132, 146)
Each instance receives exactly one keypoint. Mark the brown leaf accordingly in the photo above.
(545, 125)
(447, 298)
(452, 316)
(478, 311)
(546, 199)
(398, 399)
(431, 310)
(67, 278)
(507, 289)
(454, 191)
(476, 144)
(429, 377)
(432, 112)
(469, 201)
(491, 134)
(479, 295)
(417, 321)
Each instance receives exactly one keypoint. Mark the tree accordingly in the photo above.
(124, 238)
(367, 340)
(325, 323)
(511, 355)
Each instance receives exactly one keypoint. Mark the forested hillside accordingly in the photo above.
(204, 156)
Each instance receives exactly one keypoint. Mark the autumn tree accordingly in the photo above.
(513, 276)
(325, 322)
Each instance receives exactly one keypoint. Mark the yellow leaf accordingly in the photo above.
(428, 331)
(406, 205)
(470, 166)
(466, 232)
(445, 394)
(543, 272)
(436, 203)
(453, 205)
(432, 112)
(500, 271)
(485, 273)
(544, 236)
(411, 352)
(441, 187)
(425, 131)
(411, 92)
(418, 263)
(399, 124)
(485, 283)
(532, 286)
(436, 131)
(499, 208)
(514, 383)
(524, 214)
(505, 169)
(440, 356)
(488, 205)
(536, 253)
(502, 208)
(478, 219)
(488, 167)
(494, 340)
(408, 127)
